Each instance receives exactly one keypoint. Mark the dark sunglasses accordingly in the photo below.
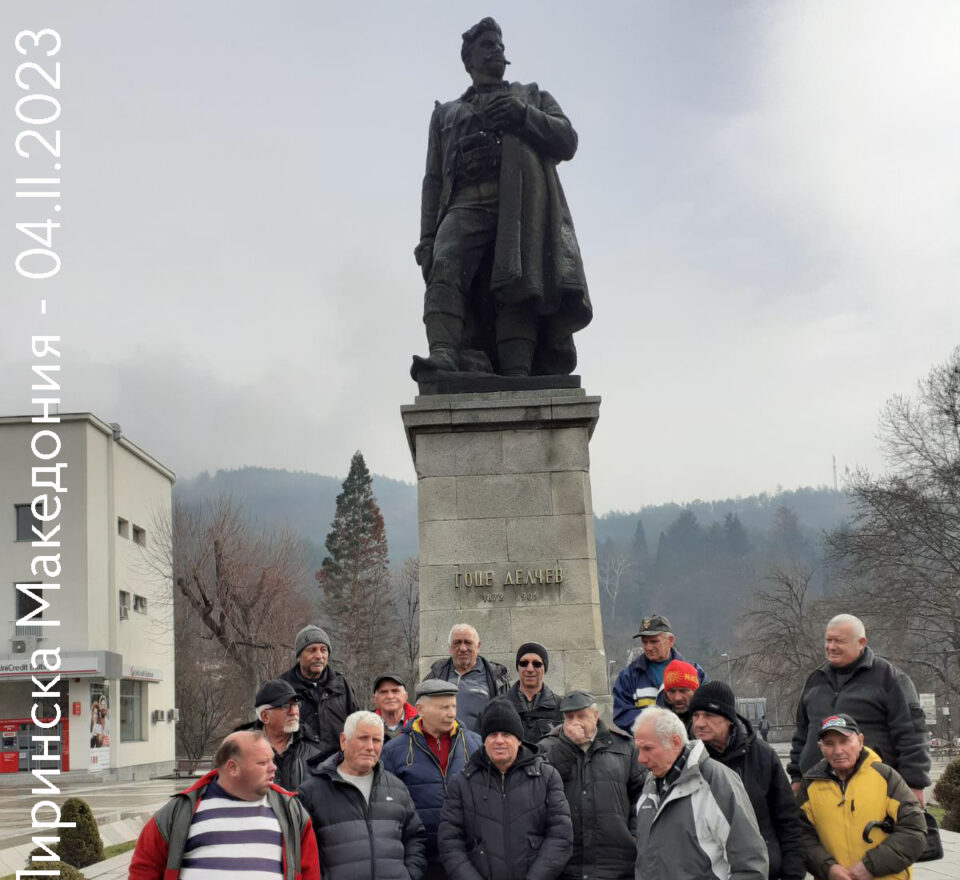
(536, 664)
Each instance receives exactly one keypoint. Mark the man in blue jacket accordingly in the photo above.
(429, 750)
(638, 683)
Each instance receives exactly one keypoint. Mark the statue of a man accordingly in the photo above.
(505, 282)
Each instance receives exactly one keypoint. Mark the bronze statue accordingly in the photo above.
(505, 283)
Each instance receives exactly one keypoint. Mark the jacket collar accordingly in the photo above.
(328, 679)
(415, 726)
(640, 662)
(864, 661)
(528, 761)
(327, 767)
(821, 770)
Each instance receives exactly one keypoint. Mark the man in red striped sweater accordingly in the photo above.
(232, 819)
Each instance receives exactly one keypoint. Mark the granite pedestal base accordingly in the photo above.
(506, 528)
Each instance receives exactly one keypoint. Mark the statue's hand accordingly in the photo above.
(505, 112)
(423, 253)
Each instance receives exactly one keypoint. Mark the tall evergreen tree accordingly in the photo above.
(355, 581)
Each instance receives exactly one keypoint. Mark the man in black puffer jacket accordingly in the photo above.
(366, 825)
(602, 782)
(505, 816)
(731, 740)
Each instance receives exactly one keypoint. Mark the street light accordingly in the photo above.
(727, 658)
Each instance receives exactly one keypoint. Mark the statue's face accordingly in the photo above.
(486, 61)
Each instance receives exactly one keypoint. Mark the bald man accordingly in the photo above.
(259, 822)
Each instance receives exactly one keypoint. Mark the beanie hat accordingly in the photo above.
(311, 635)
(500, 717)
(680, 674)
(533, 648)
(717, 698)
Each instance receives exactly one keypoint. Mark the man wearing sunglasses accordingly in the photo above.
(537, 705)
(278, 716)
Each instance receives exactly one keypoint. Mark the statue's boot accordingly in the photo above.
(516, 341)
(443, 337)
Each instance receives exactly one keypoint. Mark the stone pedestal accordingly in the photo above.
(506, 527)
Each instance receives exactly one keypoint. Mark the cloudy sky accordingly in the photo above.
(766, 195)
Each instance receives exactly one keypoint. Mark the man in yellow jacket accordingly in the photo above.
(860, 819)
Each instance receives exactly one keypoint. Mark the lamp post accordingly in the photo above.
(727, 658)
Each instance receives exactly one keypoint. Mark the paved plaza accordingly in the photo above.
(122, 807)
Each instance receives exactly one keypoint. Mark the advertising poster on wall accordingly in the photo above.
(99, 726)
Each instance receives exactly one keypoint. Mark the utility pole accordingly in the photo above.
(834, 473)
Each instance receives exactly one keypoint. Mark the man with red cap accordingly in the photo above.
(680, 680)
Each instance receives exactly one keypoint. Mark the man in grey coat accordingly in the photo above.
(694, 819)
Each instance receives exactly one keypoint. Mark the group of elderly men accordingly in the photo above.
(481, 779)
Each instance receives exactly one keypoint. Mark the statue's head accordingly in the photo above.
(482, 51)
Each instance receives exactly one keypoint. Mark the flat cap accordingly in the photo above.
(387, 676)
(275, 692)
(653, 626)
(436, 687)
(576, 700)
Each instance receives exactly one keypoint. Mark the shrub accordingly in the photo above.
(40, 851)
(80, 846)
(947, 794)
(67, 872)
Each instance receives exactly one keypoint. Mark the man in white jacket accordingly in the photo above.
(694, 819)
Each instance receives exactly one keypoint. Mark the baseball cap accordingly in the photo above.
(842, 723)
(653, 626)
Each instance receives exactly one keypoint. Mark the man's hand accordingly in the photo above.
(838, 872)
(575, 732)
(859, 872)
(918, 794)
(423, 254)
(505, 113)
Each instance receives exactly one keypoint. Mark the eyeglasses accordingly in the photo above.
(536, 664)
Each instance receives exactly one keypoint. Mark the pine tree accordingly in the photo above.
(355, 581)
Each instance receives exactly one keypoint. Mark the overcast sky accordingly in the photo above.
(766, 195)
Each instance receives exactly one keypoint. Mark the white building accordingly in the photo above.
(114, 604)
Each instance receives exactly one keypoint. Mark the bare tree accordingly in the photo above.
(612, 572)
(901, 552)
(206, 692)
(783, 633)
(406, 604)
(241, 593)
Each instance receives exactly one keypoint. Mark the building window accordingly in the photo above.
(140, 604)
(26, 522)
(140, 536)
(124, 604)
(123, 527)
(132, 708)
(24, 606)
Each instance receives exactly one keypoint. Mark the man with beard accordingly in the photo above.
(680, 681)
(326, 699)
(278, 716)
